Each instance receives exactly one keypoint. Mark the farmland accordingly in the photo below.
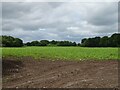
(60, 67)
(62, 53)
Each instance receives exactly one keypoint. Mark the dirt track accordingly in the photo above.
(29, 73)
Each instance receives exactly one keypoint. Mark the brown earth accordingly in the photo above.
(30, 73)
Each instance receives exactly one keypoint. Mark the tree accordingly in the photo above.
(28, 44)
(17, 42)
(74, 44)
(113, 41)
(104, 41)
(54, 42)
(44, 42)
(9, 41)
(96, 41)
(78, 44)
(35, 43)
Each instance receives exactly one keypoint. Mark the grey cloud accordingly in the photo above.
(14, 10)
(24, 20)
(103, 14)
(55, 4)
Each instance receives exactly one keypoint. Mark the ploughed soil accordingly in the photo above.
(30, 73)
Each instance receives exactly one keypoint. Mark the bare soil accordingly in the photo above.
(30, 73)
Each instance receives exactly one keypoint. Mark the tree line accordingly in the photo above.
(9, 41)
(112, 41)
(51, 43)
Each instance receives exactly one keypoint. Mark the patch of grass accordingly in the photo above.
(63, 53)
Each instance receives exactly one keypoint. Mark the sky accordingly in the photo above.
(71, 21)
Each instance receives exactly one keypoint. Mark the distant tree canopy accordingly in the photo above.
(38, 43)
(113, 41)
(9, 41)
(51, 43)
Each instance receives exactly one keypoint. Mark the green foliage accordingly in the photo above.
(113, 41)
(104, 41)
(9, 41)
(62, 53)
(51, 43)
(44, 42)
(78, 44)
(66, 43)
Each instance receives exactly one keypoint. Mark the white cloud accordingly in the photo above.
(58, 20)
(60, 1)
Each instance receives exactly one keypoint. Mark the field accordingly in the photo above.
(60, 67)
(62, 53)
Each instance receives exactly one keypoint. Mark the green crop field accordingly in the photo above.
(62, 53)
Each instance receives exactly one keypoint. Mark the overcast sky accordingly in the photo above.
(59, 20)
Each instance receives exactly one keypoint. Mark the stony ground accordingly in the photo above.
(30, 73)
